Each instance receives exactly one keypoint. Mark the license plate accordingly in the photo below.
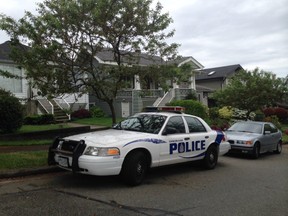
(62, 161)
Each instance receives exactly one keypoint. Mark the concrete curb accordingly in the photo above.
(28, 172)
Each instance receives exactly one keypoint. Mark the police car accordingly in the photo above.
(148, 139)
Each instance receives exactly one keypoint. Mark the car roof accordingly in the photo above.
(168, 114)
(254, 122)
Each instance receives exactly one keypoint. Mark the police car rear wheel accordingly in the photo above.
(134, 168)
(211, 157)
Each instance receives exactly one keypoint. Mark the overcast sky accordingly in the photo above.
(252, 33)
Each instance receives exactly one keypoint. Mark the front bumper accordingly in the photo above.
(224, 148)
(243, 149)
(70, 156)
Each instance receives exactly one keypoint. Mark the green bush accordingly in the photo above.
(225, 112)
(191, 107)
(96, 112)
(39, 119)
(11, 112)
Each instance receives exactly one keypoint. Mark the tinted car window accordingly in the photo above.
(142, 123)
(176, 124)
(273, 128)
(194, 125)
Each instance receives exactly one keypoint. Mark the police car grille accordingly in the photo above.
(69, 145)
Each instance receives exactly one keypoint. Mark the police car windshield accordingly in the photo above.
(142, 123)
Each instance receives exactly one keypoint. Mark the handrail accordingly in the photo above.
(43, 106)
(61, 107)
(52, 111)
(169, 93)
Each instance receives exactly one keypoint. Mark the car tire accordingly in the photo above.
(211, 157)
(279, 148)
(256, 151)
(134, 168)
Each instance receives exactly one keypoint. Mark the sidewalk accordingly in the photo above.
(38, 170)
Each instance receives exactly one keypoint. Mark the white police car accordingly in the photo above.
(147, 139)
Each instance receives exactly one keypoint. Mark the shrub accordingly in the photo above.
(226, 112)
(220, 124)
(81, 113)
(242, 114)
(281, 113)
(191, 107)
(213, 113)
(269, 111)
(96, 112)
(259, 115)
(273, 119)
(191, 96)
(39, 119)
(11, 112)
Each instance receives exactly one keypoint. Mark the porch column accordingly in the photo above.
(192, 82)
(137, 82)
(175, 85)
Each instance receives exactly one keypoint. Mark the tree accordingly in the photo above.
(252, 90)
(65, 37)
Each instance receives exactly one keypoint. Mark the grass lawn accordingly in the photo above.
(25, 142)
(21, 160)
(284, 136)
(32, 128)
(103, 121)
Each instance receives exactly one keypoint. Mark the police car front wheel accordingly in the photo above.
(211, 157)
(134, 168)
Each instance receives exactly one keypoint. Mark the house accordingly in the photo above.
(127, 102)
(135, 97)
(36, 104)
(211, 79)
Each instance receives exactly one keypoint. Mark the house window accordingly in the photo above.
(8, 84)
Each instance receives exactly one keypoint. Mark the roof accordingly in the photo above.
(200, 88)
(218, 72)
(106, 55)
(182, 60)
(5, 50)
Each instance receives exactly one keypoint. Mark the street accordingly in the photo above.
(238, 185)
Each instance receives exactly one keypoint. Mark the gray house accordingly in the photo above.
(212, 79)
(128, 101)
(36, 104)
(135, 97)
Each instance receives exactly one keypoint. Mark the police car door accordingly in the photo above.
(199, 139)
(175, 137)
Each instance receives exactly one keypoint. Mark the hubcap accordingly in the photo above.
(212, 157)
(139, 169)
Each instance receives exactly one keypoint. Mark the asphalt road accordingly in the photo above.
(238, 186)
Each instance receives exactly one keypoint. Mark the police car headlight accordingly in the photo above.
(96, 151)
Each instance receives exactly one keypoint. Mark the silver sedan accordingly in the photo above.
(254, 137)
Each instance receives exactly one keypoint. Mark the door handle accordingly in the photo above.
(206, 137)
(186, 138)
